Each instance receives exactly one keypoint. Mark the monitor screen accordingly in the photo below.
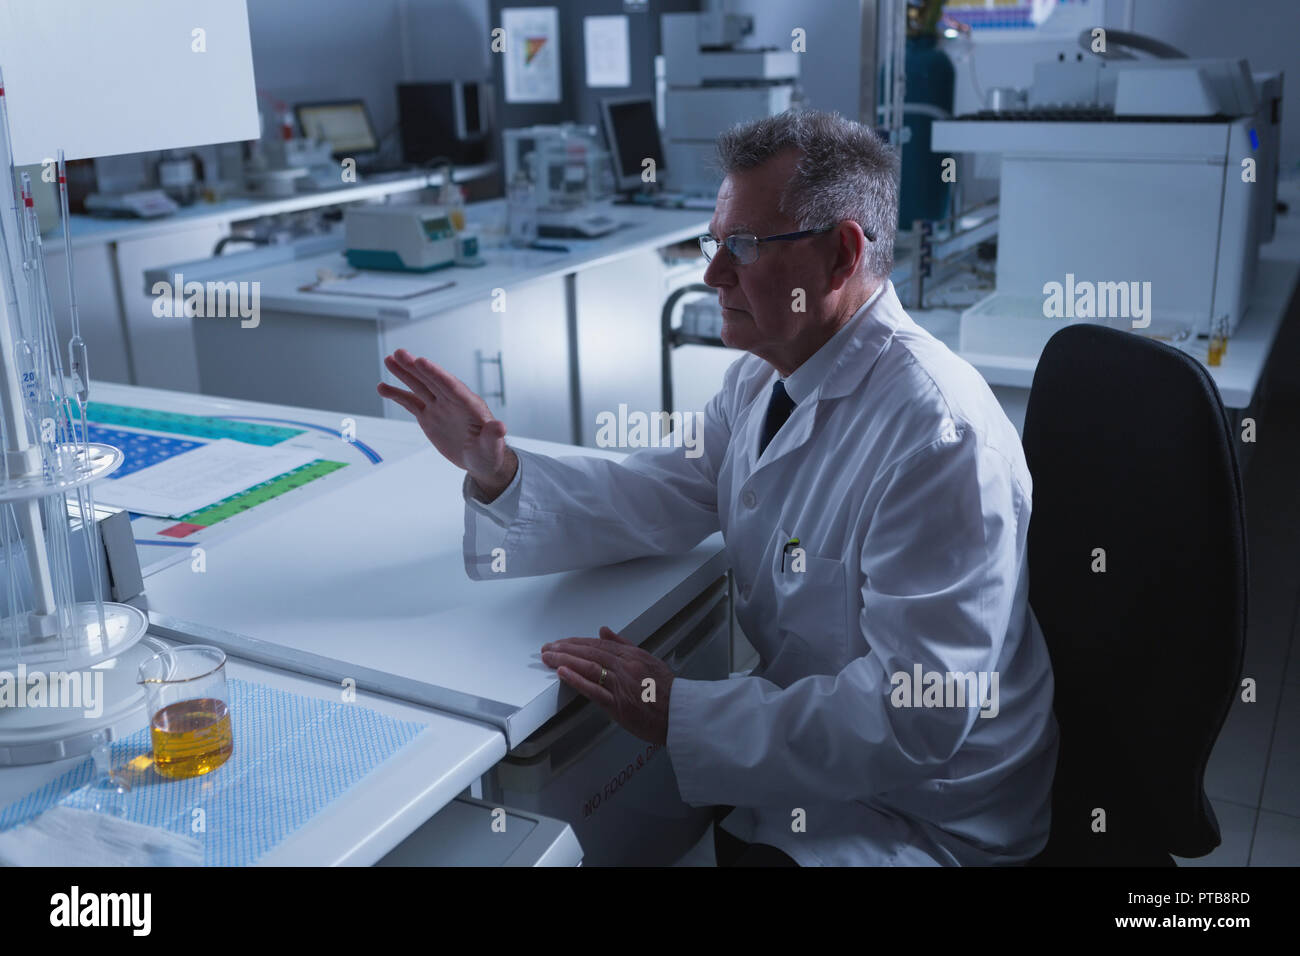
(344, 125)
(633, 134)
(473, 118)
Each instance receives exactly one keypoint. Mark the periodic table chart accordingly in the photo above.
(139, 449)
(149, 436)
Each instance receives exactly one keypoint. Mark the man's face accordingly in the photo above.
(758, 298)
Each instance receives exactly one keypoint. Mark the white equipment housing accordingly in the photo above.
(714, 83)
(405, 238)
(569, 172)
(1126, 173)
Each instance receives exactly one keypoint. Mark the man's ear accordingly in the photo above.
(850, 248)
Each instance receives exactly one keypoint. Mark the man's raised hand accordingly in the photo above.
(455, 420)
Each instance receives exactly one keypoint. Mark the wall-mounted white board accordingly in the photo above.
(99, 78)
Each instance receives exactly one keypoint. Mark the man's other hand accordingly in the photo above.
(636, 686)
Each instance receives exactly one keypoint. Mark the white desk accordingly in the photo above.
(364, 579)
(367, 581)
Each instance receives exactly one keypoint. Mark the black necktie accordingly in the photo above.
(778, 411)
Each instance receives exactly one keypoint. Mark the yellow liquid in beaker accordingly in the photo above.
(1218, 345)
(191, 737)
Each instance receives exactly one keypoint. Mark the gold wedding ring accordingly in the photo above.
(603, 674)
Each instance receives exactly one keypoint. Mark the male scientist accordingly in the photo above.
(901, 710)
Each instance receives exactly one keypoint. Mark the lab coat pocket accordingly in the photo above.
(811, 602)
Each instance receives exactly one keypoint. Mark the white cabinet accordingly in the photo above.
(619, 340)
(162, 349)
(125, 341)
(515, 355)
(537, 371)
(466, 341)
(291, 358)
(101, 317)
(516, 359)
(619, 357)
(469, 832)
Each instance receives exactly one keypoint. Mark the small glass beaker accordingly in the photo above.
(521, 212)
(1218, 340)
(189, 711)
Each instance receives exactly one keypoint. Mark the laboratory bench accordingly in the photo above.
(1244, 364)
(552, 339)
(1238, 375)
(548, 338)
(356, 579)
(126, 341)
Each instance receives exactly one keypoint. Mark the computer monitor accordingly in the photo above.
(632, 132)
(344, 124)
(443, 120)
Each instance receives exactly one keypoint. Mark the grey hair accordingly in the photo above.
(845, 172)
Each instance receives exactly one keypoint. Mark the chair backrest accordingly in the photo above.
(1134, 471)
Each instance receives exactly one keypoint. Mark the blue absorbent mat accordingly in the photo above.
(293, 756)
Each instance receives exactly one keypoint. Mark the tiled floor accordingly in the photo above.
(1253, 779)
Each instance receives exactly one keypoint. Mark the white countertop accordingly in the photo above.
(645, 227)
(376, 438)
(365, 578)
(88, 230)
(368, 581)
(1248, 348)
(372, 817)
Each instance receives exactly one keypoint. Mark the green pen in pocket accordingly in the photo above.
(785, 551)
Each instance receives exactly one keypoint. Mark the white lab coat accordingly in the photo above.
(907, 488)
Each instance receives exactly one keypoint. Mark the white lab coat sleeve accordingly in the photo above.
(940, 562)
(501, 509)
(583, 511)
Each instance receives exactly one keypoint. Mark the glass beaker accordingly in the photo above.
(189, 712)
(521, 212)
(1218, 340)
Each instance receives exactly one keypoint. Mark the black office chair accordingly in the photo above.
(1131, 452)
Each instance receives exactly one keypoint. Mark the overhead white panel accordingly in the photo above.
(97, 78)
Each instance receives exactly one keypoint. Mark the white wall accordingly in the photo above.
(448, 40)
(323, 49)
(344, 49)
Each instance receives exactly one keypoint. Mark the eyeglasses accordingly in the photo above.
(744, 249)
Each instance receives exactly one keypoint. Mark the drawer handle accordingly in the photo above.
(499, 362)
